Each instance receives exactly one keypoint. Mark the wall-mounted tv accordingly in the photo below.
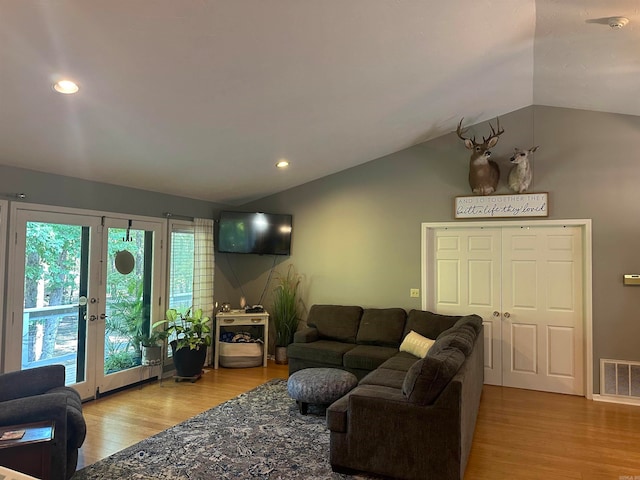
(254, 232)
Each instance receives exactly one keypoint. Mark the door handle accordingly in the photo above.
(92, 318)
(507, 314)
(103, 316)
(496, 313)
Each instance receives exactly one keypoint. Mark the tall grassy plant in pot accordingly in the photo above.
(285, 312)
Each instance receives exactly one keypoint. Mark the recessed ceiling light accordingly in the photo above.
(282, 164)
(618, 22)
(66, 86)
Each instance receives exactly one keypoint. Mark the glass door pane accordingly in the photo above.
(128, 289)
(132, 277)
(181, 268)
(55, 297)
(54, 294)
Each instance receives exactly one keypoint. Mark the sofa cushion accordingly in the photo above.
(416, 344)
(325, 352)
(385, 377)
(428, 377)
(367, 357)
(335, 322)
(428, 324)
(400, 361)
(381, 326)
(306, 335)
(474, 321)
(461, 338)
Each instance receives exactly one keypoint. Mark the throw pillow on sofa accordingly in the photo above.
(416, 344)
(426, 378)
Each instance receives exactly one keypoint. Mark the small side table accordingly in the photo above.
(30, 454)
(239, 317)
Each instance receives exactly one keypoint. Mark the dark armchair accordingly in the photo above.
(37, 395)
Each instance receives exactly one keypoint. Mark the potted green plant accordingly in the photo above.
(152, 347)
(192, 337)
(284, 312)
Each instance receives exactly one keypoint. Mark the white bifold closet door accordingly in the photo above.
(527, 285)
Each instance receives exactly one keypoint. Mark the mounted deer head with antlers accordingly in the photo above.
(484, 173)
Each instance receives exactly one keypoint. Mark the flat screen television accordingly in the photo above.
(254, 232)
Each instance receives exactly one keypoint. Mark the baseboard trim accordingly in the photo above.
(620, 400)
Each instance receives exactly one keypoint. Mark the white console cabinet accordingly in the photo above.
(240, 318)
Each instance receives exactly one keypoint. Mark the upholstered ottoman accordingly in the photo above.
(319, 386)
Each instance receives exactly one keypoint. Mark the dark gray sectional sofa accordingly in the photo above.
(408, 418)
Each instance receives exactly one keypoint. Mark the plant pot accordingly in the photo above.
(281, 356)
(151, 355)
(188, 362)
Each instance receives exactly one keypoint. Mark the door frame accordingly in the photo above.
(8, 357)
(4, 218)
(105, 383)
(427, 265)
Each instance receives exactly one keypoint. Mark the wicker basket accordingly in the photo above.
(240, 355)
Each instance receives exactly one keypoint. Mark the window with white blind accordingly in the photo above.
(181, 265)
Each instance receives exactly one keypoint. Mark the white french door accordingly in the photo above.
(467, 279)
(70, 302)
(130, 287)
(528, 284)
(543, 314)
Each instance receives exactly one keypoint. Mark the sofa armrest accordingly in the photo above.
(33, 381)
(37, 408)
(383, 424)
(306, 335)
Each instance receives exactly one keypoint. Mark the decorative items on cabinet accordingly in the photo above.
(231, 320)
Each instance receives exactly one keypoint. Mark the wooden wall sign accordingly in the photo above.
(502, 206)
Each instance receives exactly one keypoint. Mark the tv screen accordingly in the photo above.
(255, 232)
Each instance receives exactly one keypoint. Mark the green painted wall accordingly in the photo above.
(357, 233)
(48, 189)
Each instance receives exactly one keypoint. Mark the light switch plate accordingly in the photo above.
(632, 279)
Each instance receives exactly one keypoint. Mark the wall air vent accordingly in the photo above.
(620, 378)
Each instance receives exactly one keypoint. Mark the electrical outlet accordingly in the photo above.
(414, 293)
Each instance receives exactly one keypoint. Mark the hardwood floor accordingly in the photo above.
(524, 434)
(520, 434)
(119, 420)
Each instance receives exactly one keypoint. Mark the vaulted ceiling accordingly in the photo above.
(200, 98)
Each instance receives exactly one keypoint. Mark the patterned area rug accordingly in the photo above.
(257, 435)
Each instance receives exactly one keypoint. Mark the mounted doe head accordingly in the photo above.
(521, 173)
(484, 173)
